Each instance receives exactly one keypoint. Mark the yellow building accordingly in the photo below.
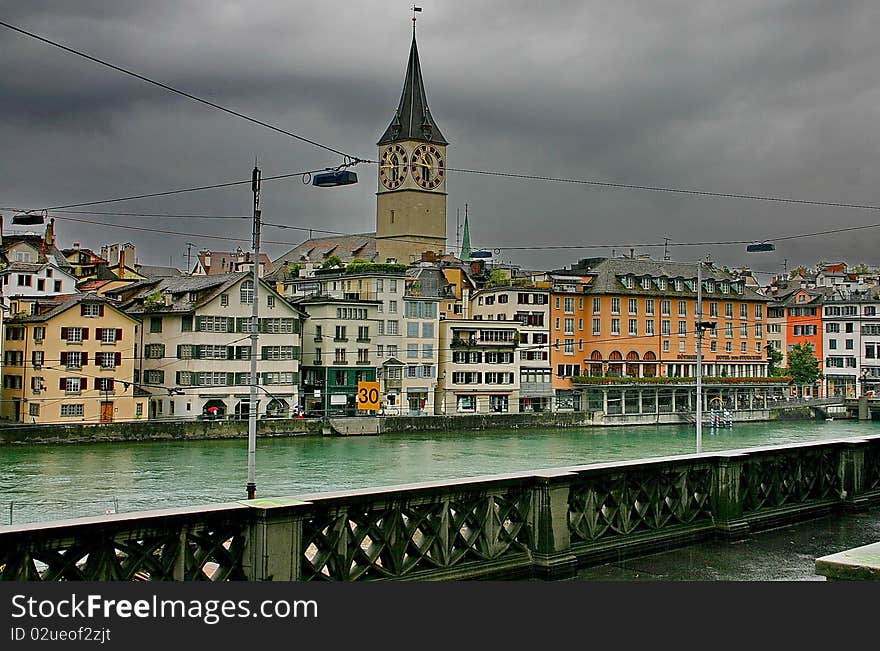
(69, 359)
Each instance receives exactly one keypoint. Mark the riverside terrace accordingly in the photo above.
(544, 523)
(628, 401)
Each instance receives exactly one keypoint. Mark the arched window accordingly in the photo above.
(614, 368)
(596, 366)
(247, 292)
(632, 370)
(650, 369)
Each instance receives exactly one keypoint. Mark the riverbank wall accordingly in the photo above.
(206, 430)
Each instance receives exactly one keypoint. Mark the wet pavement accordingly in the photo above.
(785, 554)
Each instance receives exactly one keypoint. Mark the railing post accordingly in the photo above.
(727, 496)
(852, 475)
(273, 549)
(551, 557)
(179, 571)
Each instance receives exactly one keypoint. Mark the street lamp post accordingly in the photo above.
(702, 326)
(327, 179)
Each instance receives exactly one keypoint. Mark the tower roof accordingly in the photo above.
(466, 242)
(413, 120)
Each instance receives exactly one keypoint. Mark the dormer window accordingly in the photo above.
(661, 284)
(679, 285)
(193, 297)
(627, 282)
(725, 287)
(691, 285)
(710, 286)
(646, 283)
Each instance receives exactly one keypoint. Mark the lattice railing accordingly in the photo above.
(200, 552)
(640, 499)
(356, 542)
(789, 478)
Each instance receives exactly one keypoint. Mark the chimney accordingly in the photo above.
(130, 253)
(113, 253)
(1, 229)
(76, 246)
(206, 258)
(121, 272)
(105, 252)
(49, 238)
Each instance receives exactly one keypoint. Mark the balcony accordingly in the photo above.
(340, 338)
(364, 340)
(395, 383)
(319, 338)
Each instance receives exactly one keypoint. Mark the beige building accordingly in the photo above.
(479, 367)
(530, 306)
(70, 359)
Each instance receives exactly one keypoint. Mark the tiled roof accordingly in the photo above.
(55, 305)
(318, 249)
(608, 272)
(223, 262)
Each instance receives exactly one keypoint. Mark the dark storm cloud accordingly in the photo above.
(756, 97)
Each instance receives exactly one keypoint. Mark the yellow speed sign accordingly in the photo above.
(368, 396)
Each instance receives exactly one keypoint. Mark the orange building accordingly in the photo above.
(802, 312)
(635, 317)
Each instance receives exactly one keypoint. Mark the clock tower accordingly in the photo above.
(411, 199)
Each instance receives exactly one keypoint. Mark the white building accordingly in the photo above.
(34, 280)
(194, 353)
(851, 342)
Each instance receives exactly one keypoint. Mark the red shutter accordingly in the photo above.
(118, 359)
(82, 310)
(62, 383)
(64, 333)
(63, 359)
(99, 334)
(100, 310)
(85, 333)
(108, 384)
(85, 359)
(118, 334)
(83, 383)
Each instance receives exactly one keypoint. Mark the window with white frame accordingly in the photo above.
(246, 292)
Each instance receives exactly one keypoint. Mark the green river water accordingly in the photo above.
(60, 481)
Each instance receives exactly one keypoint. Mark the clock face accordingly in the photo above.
(427, 166)
(392, 167)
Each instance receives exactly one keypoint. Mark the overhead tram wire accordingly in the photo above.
(673, 190)
(313, 229)
(195, 98)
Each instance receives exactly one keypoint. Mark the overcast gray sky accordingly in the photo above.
(763, 97)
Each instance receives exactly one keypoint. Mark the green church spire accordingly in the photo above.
(466, 242)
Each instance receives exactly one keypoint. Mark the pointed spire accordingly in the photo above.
(412, 120)
(465, 242)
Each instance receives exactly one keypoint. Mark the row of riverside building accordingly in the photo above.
(438, 335)
(98, 337)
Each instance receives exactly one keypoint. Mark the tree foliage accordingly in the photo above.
(803, 365)
(774, 359)
(332, 261)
